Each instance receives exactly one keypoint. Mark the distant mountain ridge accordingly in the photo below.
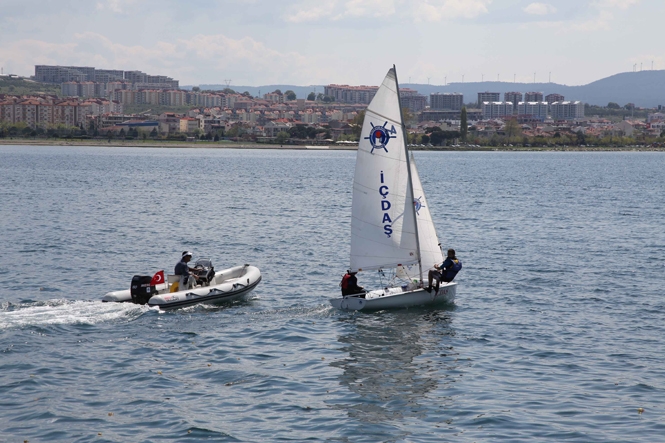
(644, 89)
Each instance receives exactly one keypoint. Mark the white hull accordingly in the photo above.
(227, 285)
(397, 298)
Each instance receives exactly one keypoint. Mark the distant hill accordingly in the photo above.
(645, 89)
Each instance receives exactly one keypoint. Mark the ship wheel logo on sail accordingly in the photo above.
(379, 136)
(418, 205)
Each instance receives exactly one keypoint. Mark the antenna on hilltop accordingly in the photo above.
(228, 83)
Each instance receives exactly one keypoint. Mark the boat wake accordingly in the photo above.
(65, 312)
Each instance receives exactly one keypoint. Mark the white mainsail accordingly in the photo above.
(383, 231)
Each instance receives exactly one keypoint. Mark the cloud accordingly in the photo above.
(417, 10)
(441, 10)
(117, 6)
(369, 8)
(600, 15)
(620, 4)
(540, 9)
(601, 22)
(309, 11)
(214, 56)
(22, 56)
(605, 15)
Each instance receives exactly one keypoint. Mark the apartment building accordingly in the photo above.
(537, 110)
(451, 101)
(61, 74)
(69, 89)
(148, 97)
(496, 109)
(551, 98)
(83, 89)
(99, 107)
(108, 75)
(567, 110)
(173, 84)
(85, 81)
(533, 97)
(189, 125)
(412, 100)
(45, 112)
(174, 97)
(491, 97)
(124, 96)
(351, 94)
(135, 76)
(169, 123)
(274, 97)
(513, 97)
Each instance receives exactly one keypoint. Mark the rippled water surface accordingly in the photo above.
(557, 333)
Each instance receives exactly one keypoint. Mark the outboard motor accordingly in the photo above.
(141, 290)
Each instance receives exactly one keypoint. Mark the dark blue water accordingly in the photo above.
(557, 334)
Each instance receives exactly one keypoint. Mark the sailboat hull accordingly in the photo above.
(396, 298)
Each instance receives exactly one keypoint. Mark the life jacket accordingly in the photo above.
(450, 273)
(345, 281)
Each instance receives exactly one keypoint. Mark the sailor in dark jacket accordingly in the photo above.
(349, 284)
(446, 272)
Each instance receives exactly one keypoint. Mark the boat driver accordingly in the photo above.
(445, 272)
(188, 277)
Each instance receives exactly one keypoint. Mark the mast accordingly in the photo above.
(409, 181)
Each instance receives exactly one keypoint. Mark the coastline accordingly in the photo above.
(249, 145)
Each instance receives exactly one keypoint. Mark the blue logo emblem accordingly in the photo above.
(418, 204)
(379, 136)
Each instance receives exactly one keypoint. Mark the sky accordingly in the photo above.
(355, 42)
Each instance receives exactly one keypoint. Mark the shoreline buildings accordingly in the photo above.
(97, 98)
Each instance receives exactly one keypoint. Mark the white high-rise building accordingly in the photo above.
(534, 109)
(567, 110)
(496, 109)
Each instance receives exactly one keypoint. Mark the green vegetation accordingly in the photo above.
(282, 137)
(464, 125)
(20, 86)
(438, 137)
(615, 112)
(307, 132)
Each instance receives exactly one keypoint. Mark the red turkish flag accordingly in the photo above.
(157, 279)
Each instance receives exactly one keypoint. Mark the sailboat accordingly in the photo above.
(391, 225)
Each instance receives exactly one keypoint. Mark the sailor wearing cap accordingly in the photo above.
(187, 275)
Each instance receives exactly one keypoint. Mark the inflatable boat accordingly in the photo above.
(212, 287)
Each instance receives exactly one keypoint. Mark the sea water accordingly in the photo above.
(557, 332)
